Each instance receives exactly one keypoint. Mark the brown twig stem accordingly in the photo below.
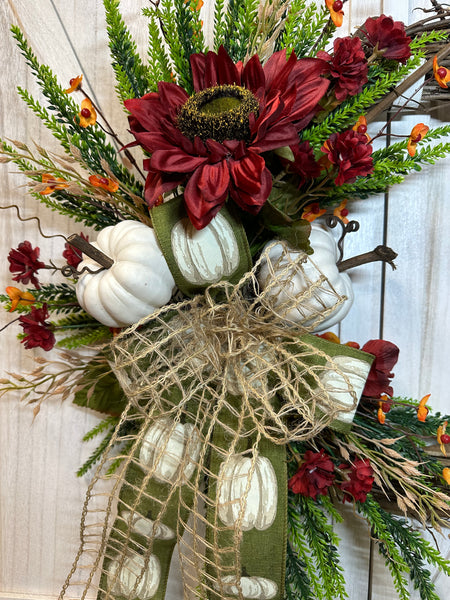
(81, 244)
(388, 100)
(382, 253)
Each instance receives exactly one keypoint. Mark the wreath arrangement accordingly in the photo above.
(235, 422)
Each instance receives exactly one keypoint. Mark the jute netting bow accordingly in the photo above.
(217, 386)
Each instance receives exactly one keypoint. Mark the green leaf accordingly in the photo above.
(101, 390)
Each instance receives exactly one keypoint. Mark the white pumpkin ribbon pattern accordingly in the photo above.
(248, 492)
(135, 577)
(171, 450)
(199, 258)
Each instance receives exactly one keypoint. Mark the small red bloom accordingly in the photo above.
(19, 297)
(312, 211)
(361, 126)
(87, 115)
(386, 356)
(75, 84)
(53, 183)
(351, 153)
(341, 211)
(304, 164)
(336, 12)
(348, 67)
(422, 410)
(360, 481)
(73, 255)
(381, 415)
(441, 74)
(23, 260)
(388, 37)
(418, 132)
(315, 475)
(38, 333)
(104, 182)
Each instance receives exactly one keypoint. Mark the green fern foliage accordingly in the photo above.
(405, 552)
(316, 545)
(131, 74)
(90, 141)
(239, 28)
(303, 22)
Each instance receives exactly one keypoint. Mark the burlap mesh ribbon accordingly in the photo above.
(217, 386)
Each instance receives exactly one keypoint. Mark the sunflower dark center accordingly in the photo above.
(219, 113)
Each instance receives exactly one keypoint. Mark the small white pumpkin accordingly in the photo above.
(125, 577)
(337, 387)
(138, 283)
(207, 255)
(293, 283)
(255, 505)
(147, 527)
(169, 449)
(259, 588)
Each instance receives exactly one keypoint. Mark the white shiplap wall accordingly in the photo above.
(40, 497)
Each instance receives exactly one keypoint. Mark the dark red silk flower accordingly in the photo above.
(380, 375)
(287, 92)
(388, 36)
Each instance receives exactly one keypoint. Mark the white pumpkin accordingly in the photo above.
(170, 449)
(254, 505)
(337, 387)
(295, 282)
(138, 283)
(125, 577)
(250, 587)
(207, 255)
(147, 527)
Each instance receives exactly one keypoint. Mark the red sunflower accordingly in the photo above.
(211, 142)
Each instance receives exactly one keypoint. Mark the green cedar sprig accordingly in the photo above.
(348, 112)
(89, 337)
(302, 24)
(90, 141)
(176, 36)
(404, 550)
(79, 207)
(131, 74)
(158, 62)
(386, 545)
(390, 167)
(60, 298)
(300, 572)
(108, 425)
(219, 23)
(324, 571)
(240, 25)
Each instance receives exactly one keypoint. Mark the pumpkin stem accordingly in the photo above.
(383, 253)
(81, 244)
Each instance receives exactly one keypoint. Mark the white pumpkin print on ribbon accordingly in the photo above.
(207, 255)
(138, 283)
(296, 282)
(147, 527)
(171, 450)
(123, 579)
(338, 387)
(259, 588)
(253, 505)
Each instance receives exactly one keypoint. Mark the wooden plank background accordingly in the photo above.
(40, 497)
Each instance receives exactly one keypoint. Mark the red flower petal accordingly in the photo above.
(174, 160)
(206, 192)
